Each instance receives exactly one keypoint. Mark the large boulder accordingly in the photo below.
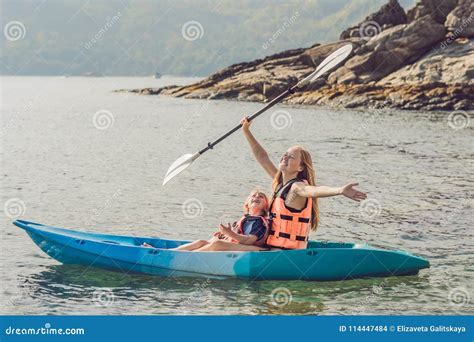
(318, 53)
(389, 15)
(436, 9)
(452, 65)
(389, 51)
(460, 22)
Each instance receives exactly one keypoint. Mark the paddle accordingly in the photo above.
(327, 64)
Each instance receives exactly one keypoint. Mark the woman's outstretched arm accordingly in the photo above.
(304, 190)
(257, 150)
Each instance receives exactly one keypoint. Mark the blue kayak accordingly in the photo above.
(320, 261)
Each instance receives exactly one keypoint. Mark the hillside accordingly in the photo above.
(184, 37)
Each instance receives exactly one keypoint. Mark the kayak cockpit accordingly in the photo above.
(158, 243)
(123, 240)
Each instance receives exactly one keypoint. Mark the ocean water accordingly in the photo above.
(76, 154)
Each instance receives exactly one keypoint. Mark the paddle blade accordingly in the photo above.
(179, 166)
(330, 62)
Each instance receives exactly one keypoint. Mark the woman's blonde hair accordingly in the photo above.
(308, 174)
(253, 192)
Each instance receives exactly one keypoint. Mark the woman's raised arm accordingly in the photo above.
(257, 150)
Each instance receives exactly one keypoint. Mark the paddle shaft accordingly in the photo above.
(273, 102)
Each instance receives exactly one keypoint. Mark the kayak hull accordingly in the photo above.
(320, 261)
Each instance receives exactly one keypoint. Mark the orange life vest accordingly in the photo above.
(289, 228)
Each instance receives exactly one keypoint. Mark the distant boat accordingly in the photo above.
(92, 74)
(156, 75)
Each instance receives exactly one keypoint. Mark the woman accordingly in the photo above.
(248, 234)
(294, 207)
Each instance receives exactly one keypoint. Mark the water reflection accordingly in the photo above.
(68, 289)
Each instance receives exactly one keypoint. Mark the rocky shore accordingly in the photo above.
(419, 60)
